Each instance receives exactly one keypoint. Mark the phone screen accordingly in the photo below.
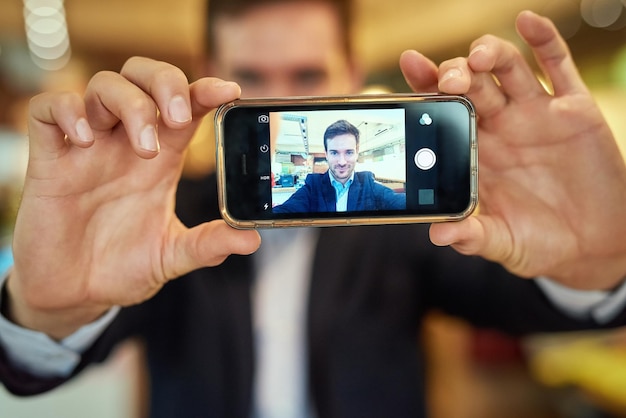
(405, 160)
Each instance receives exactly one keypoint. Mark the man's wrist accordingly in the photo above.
(36, 353)
(57, 324)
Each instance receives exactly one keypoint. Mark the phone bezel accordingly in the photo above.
(348, 220)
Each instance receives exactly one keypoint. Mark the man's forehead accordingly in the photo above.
(346, 140)
(271, 30)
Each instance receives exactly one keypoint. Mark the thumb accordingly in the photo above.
(208, 245)
(476, 235)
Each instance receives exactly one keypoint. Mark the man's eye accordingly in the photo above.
(247, 78)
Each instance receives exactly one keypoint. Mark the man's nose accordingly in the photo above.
(280, 87)
(271, 87)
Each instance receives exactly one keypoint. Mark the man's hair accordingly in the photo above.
(236, 8)
(341, 127)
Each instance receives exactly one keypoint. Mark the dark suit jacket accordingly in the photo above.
(371, 287)
(318, 195)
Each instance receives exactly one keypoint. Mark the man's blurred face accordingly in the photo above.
(284, 49)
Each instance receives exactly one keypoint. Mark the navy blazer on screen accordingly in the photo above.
(364, 194)
(370, 289)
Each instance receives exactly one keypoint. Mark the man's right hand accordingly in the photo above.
(553, 182)
(96, 226)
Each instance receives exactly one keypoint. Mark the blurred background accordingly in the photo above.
(57, 45)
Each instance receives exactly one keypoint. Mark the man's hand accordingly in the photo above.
(96, 226)
(552, 182)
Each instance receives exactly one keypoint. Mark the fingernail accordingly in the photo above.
(455, 72)
(148, 139)
(229, 85)
(178, 110)
(83, 131)
(477, 48)
(224, 84)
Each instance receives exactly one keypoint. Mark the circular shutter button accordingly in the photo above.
(425, 159)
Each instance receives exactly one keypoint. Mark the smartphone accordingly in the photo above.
(358, 160)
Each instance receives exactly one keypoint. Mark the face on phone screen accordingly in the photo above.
(374, 161)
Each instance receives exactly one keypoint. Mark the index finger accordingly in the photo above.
(166, 84)
(419, 72)
(177, 100)
(491, 54)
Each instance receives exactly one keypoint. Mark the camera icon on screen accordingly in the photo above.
(264, 119)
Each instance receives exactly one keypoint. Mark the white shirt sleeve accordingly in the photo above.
(602, 306)
(40, 355)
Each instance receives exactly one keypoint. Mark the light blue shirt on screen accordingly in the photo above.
(6, 259)
(341, 191)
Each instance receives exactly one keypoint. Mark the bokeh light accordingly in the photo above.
(47, 34)
(601, 13)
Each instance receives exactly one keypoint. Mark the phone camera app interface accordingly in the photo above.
(338, 160)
